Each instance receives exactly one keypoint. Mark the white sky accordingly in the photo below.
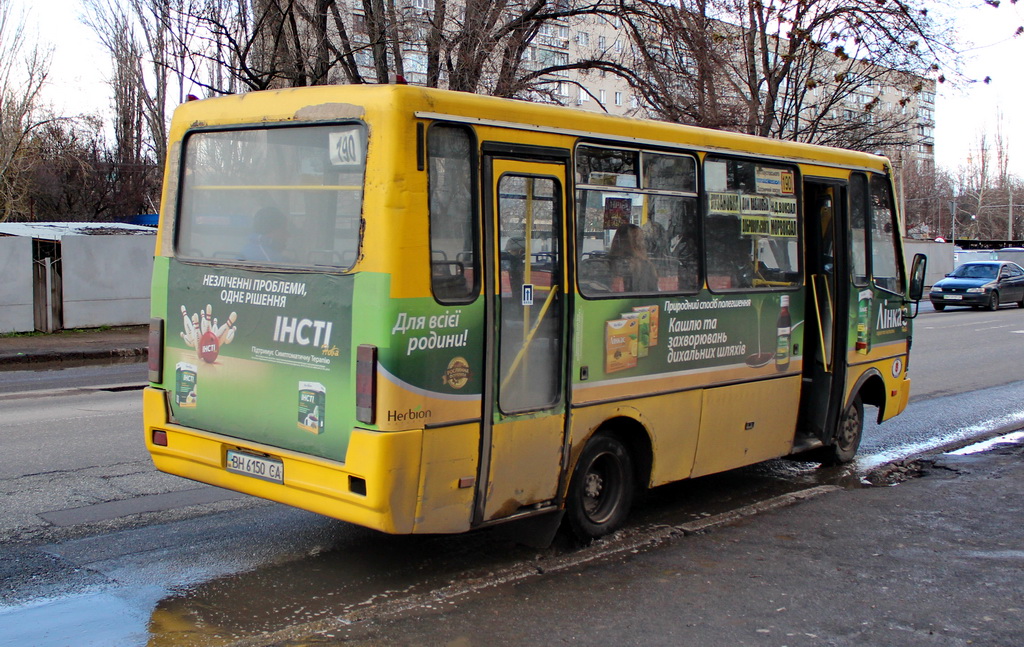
(80, 70)
(963, 113)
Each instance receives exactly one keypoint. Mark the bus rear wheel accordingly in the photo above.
(601, 490)
(848, 433)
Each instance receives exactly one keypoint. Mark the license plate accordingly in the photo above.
(953, 297)
(261, 467)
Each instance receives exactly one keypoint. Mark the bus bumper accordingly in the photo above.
(394, 482)
(899, 397)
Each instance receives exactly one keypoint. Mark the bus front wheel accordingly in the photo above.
(848, 432)
(601, 489)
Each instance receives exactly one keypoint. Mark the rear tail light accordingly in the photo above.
(156, 350)
(366, 384)
(160, 437)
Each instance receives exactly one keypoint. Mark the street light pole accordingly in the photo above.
(952, 219)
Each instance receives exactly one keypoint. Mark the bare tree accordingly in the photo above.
(987, 196)
(23, 72)
(925, 193)
(786, 69)
(678, 64)
(467, 45)
(148, 47)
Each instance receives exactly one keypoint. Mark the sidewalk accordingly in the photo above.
(935, 561)
(18, 352)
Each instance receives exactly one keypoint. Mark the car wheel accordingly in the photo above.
(993, 301)
(601, 489)
(939, 307)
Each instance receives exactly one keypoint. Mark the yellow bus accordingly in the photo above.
(426, 312)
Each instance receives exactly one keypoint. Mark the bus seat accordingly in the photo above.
(595, 274)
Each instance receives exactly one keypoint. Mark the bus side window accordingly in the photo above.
(453, 264)
(859, 228)
(885, 267)
(636, 222)
(751, 227)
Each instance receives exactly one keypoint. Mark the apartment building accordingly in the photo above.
(559, 45)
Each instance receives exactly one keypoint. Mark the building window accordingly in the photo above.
(618, 98)
(583, 38)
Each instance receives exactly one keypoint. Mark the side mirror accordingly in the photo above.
(917, 279)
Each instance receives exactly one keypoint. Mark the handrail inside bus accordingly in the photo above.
(528, 339)
(817, 310)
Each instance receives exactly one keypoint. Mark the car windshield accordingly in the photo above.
(976, 271)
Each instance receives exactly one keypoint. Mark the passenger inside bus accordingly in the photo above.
(629, 262)
(269, 237)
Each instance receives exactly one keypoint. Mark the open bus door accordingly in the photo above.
(825, 335)
(523, 431)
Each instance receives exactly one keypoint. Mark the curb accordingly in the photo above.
(7, 360)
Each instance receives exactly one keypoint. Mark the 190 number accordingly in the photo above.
(346, 148)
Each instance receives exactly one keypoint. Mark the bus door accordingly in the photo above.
(523, 433)
(825, 319)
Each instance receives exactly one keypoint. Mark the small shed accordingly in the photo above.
(74, 275)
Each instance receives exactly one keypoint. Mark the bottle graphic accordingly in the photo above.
(863, 314)
(785, 330)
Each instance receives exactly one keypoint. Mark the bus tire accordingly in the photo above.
(848, 433)
(601, 490)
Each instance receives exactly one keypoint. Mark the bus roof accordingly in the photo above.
(334, 102)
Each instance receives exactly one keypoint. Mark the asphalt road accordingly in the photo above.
(962, 350)
(100, 549)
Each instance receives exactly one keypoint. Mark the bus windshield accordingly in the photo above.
(289, 196)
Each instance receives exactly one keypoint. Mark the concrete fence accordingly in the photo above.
(15, 284)
(106, 280)
(940, 257)
(74, 275)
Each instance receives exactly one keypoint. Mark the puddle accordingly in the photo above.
(89, 620)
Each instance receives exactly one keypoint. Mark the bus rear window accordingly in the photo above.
(273, 196)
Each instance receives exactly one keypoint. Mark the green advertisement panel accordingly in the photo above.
(876, 318)
(434, 347)
(262, 356)
(626, 338)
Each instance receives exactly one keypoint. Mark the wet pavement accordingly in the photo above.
(934, 560)
(919, 552)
